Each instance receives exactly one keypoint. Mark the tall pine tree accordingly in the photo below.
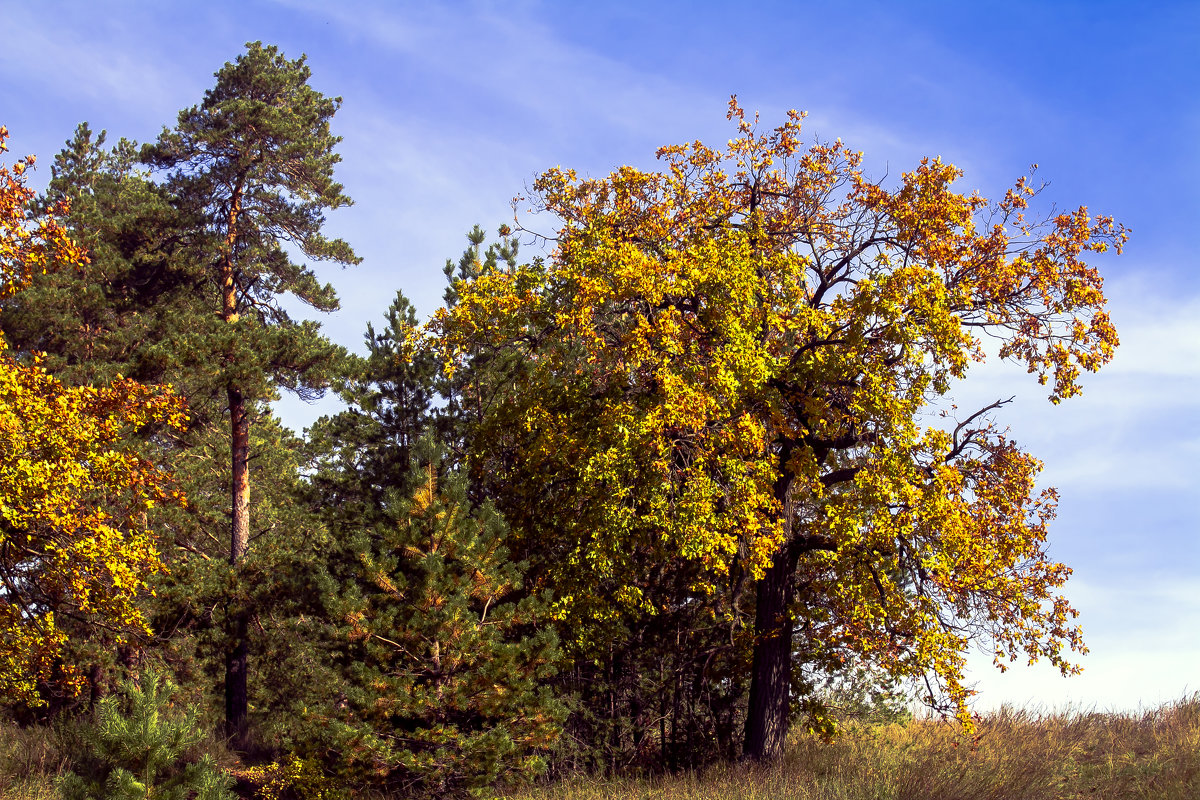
(142, 306)
(254, 161)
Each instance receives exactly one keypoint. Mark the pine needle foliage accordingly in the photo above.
(141, 745)
(254, 163)
(446, 653)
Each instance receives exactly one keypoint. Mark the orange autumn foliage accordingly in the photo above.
(73, 490)
(728, 362)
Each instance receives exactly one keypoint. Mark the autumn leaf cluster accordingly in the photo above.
(73, 490)
(726, 363)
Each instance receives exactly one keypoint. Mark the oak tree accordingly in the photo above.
(729, 363)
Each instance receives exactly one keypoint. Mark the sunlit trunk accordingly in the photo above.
(237, 655)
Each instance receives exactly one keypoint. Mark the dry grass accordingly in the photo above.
(1016, 755)
(30, 760)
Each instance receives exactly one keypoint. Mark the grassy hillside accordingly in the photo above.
(1016, 755)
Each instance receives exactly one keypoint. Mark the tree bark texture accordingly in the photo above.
(237, 655)
(237, 661)
(771, 670)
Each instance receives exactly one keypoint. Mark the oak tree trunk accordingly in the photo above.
(771, 670)
(770, 681)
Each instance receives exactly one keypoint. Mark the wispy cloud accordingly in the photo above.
(64, 58)
(510, 58)
(1128, 430)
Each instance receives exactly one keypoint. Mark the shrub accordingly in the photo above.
(142, 744)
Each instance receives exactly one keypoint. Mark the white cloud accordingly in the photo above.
(1144, 642)
(1159, 329)
(1129, 429)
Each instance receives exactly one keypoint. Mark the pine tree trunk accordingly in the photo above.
(770, 682)
(237, 656)
(236, 697)
(240, 529)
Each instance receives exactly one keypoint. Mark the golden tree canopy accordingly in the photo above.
(728, 361)
(73, 490)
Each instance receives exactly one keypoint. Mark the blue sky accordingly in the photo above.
(450, 109)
